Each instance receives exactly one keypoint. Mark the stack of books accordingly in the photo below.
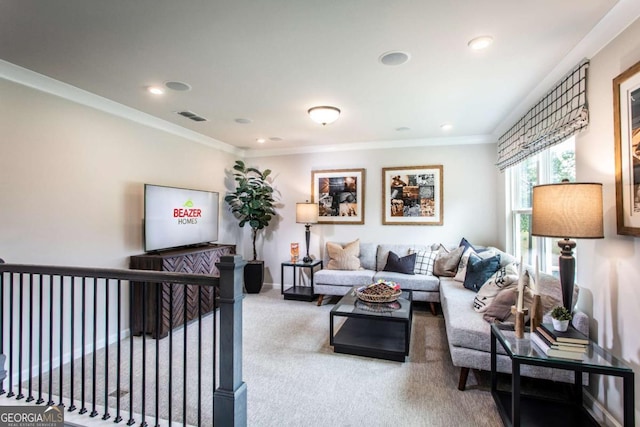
(570, 344)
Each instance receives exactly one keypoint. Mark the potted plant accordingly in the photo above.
(560, 317)
(252, 203)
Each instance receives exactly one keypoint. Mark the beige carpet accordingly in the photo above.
(294, 378)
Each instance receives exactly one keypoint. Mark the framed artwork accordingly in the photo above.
(412, 195)
(339, 194)
(626, 117)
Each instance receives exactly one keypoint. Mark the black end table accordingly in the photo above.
(295, 292)
(516, 409)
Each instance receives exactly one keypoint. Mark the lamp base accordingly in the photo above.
(567, 266)
(307, 260)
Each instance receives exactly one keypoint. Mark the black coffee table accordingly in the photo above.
(380, 330)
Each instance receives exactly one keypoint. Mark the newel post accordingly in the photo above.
(230, 398)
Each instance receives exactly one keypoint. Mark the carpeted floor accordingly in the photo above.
(294, 378)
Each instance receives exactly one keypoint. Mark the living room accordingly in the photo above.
(74, 164)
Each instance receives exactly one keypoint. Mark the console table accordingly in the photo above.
(200, 260)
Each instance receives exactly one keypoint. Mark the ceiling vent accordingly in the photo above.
(191, 115)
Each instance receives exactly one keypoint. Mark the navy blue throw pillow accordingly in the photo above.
(405, 265)
(480, 270)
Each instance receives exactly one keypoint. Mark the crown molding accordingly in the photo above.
(371, 145)
(25, 77)
(623, 14)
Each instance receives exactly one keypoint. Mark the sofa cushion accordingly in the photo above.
(344, 277)
(344, 258)
(398, 264)
(424, 262)
(446, 263)
(415, 282)
(400, 249)
(465, 327)
(479, 270)
(501, 279)
(464, 261)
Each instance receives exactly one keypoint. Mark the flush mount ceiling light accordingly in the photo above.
(446, 126)
(480, 43)
(394, 57)
(261, 140)
(155, 90)
(324, 114)
(179, 86)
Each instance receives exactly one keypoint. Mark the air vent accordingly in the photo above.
(193, 116)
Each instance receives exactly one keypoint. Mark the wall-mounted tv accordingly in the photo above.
(177, 217)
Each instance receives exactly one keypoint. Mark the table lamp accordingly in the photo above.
(567, 210)
(307, 214)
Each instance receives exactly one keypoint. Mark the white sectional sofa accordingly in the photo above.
(468, 333)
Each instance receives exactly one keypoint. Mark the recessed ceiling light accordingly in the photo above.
(480, 43)
(179, 86)
(156, 90)
(243, 121)
(403, 129)
(395, 57)
(261, 140)
(446, 126)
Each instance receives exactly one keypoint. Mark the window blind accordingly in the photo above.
(561, 113)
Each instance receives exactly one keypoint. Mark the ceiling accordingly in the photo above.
(270, 61)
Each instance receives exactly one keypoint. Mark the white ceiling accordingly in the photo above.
(269, 61)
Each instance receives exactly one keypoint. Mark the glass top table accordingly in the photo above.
(381, 330)
(513, 407)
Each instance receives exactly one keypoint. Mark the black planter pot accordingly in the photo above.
(253, 276)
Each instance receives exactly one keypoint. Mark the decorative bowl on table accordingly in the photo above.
(381, 291)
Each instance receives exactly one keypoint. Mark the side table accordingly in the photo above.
(295, 292)
(516, 409)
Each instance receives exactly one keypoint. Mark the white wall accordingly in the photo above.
(609, 269)
(470, 199)
(71, 188)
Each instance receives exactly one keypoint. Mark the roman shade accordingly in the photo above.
(561, 113)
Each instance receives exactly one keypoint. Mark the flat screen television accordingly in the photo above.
(179, 217)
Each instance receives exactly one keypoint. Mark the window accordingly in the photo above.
(547, 167)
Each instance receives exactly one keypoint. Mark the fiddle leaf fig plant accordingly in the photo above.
(252, 200)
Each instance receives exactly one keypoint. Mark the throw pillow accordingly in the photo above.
(446, 263)
(464, 260)
(501, 279)
(396, 264)
(480, 270)
(424, 262)
(500, 308)
(344, 258)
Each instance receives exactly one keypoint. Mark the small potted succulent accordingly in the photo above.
(560, 317)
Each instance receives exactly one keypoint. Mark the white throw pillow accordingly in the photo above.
(503, 278)
(424, 262)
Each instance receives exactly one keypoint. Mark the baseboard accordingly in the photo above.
(598, 411)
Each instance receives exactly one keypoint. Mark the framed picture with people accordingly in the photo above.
(339, 194)
(412, 195)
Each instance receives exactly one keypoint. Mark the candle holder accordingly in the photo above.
(536, 312)
(520, 314)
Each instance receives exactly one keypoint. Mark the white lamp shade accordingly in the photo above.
(567, 210)
(306, 213)
(324, 114)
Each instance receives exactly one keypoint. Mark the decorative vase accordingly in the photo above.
(560, 325)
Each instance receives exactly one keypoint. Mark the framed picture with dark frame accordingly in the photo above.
(412, 195)
(339, 194)
(626, 114)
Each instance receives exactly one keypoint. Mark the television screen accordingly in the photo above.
(175, 217)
